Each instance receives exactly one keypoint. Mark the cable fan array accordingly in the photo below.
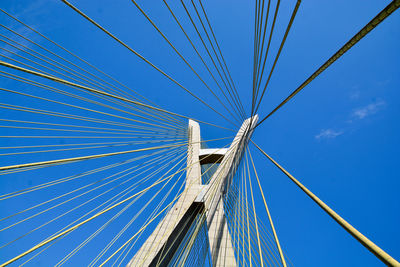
(89, 166)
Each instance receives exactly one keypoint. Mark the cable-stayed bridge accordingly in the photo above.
(99, 171)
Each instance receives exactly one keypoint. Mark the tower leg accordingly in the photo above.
(222, 252)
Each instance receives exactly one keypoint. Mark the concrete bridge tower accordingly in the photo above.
(162, 245)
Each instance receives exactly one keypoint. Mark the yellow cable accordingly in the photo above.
(254, 210)
(387, 11)
(269, 215)
(117, 215)
(141, 57)
(180, 55)
(5, 64)
(377, 251)
(197, 52)
(73, 191)
(247, 216)
(94, 156)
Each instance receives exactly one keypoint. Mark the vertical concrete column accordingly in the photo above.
(156, 241)
(222, 252)
(194, 169)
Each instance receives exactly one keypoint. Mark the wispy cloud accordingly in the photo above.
(328, 134)
(356, 115)
(355, 95)
(14, 46)
(363, 112)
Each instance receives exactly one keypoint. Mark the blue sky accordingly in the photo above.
(339, 136)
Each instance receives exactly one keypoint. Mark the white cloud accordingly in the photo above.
(32, 10)
(328, 134)
(356, 115)
(355, 95)
(368, 110)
